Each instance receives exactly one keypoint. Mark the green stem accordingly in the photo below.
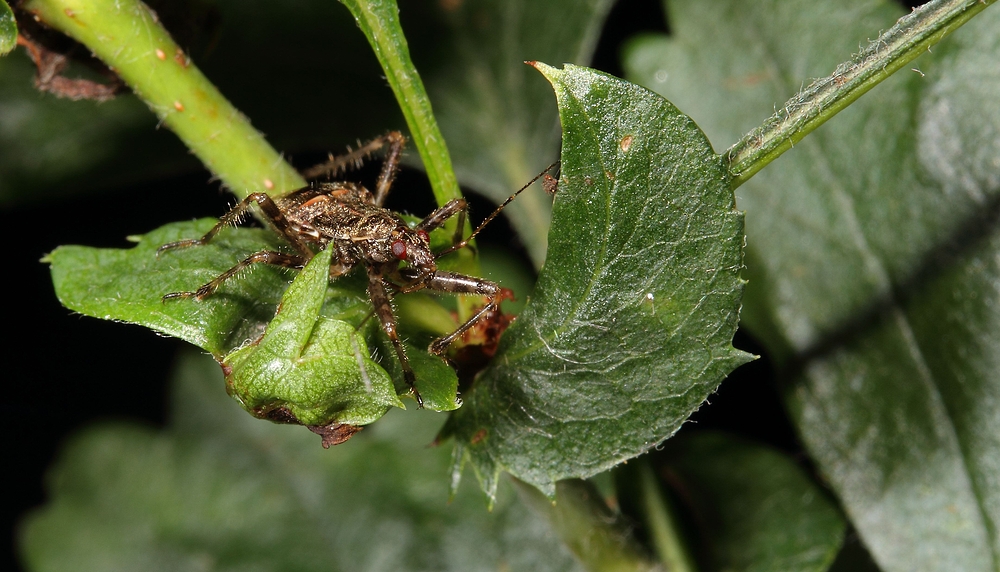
(664, 531)
(379, 20)
(587, 527)
(126, 35)
(911, 36)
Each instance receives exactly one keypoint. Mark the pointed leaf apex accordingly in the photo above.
(546, 70)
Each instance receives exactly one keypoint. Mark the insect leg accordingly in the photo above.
(267, 206)
(438, 218)
(231, 217)
(264, 256)
(455, 283)
(335, 165)
(390, 166)
(383, 309)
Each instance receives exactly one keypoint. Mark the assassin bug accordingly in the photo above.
(347, 217)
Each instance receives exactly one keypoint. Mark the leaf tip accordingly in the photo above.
(548, 489)
(546, 70)
(458, 460)
(745, 357)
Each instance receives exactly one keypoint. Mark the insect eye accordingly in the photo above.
(423, 235)
(399, 249)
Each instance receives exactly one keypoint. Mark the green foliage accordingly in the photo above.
(128, 285)
(872, 251)
(221, 489)
(320, 377)
(8, 29)
(631, 322)
(316, 368)
(872, 254)
(747, 506)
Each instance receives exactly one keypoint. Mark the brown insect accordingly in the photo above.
(347, 217)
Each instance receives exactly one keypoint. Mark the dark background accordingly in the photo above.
(67, 371)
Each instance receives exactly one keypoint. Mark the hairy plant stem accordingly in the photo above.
(127, 36)
(911, 36)
(379, 20)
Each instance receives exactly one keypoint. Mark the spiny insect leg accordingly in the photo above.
(383, 309)
(267, 206)
(231, 217)
(264, 256)
(337, 164)
(441, 215)
(390, 166)
(455, 283)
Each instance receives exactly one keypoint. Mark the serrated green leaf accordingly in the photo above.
(219, 489)
(631, 322)
(8, 29)
(750, 508)
(870, 258)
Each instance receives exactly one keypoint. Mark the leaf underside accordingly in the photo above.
(631, 322)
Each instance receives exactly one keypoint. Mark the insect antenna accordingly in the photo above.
(496, 212)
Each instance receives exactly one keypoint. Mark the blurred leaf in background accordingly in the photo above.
(742, 505)
(223, 490)
(871, 258)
